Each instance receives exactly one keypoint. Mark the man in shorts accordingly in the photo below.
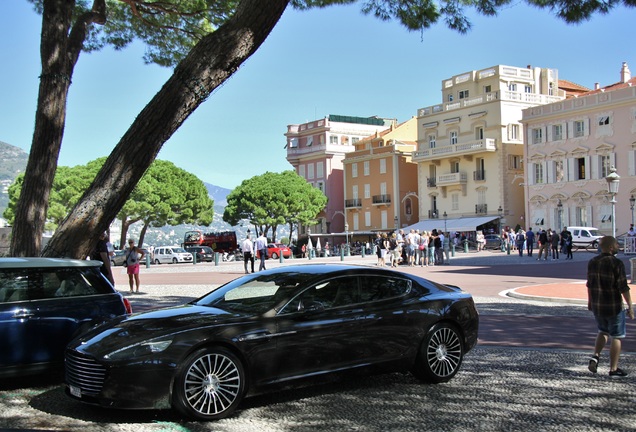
(607, 287)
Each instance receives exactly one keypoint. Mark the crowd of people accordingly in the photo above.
(549, 243)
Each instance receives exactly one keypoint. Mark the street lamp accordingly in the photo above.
(560, 214)
(445, 216)
(632, 201)
(613, 180)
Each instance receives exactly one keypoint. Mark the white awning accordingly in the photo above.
(457, 224)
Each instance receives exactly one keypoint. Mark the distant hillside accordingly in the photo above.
(13, 161)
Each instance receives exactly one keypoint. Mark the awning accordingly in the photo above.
(457, 224)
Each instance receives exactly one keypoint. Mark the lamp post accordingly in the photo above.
(632, 201)
(613, 180)
(560, 214)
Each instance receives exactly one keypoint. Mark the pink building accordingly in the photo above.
(317, 149)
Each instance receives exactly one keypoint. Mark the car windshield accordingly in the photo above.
(594, 233)
(254, 295)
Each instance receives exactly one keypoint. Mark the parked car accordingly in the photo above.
(273, 327)
(46, 302)
(203, 253)
(171, 254)
(493, 241)
(585, 237)
(275, 250)
(118, 259)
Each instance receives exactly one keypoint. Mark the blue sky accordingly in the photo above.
(315, 63)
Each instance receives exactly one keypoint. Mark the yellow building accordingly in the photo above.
(470, 147)
(380, 181)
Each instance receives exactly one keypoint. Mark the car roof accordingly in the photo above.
(26, 262)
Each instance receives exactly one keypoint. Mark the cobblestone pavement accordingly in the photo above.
(499, 388)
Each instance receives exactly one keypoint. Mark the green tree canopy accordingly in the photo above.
(208, 40)
(165, 195)
(273, 199)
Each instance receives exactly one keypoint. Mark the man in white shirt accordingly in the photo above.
(261, 247)
(248, 253)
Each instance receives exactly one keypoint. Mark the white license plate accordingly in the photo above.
(75, 391)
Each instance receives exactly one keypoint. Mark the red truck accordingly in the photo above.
(222, 242)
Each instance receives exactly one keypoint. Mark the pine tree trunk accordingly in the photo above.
(210, 63)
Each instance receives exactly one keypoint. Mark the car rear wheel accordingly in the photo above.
(174, 261)
(210, 384)
(440, 355)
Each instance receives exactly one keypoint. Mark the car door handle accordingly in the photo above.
(22, 314)
(255, 336)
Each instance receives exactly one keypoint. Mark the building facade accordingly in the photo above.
(470, 147)
(571, 146)
(317, 149)
(380, 180)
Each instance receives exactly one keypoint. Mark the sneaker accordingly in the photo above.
(618, 373)
(593, 365)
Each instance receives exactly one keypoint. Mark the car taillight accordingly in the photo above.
(127, 305)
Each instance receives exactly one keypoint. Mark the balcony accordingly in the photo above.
(469, 148)
(356, 202)
(452, 179)
(479, 175)
(481, 208)
(384, 199)
(430, 182)
(433, 214)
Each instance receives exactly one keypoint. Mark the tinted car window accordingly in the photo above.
(380, 288)
(36, 284)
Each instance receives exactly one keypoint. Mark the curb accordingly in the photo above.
(514, 294)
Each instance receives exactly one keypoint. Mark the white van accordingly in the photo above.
(585, 236)
(171, 254)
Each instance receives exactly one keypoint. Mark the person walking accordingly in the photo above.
(544, 247)
(100, 253)
(555, 241)
(261, 247)
(530, 241)
(606, 288)
(566, 241)
(520, 239)
(248, 253)
(133, 256)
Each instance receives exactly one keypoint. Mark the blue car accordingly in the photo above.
(44, 304)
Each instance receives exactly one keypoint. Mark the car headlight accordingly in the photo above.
(140, 349)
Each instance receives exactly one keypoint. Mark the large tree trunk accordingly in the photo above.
(210, 63)
(59, 51)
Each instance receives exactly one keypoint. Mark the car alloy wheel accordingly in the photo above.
(210, 385)
(440, 355)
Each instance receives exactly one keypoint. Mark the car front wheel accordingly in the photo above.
(440, 355)
(210, 384)
(274, 255)
(157, 261)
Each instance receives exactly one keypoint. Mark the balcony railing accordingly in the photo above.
(479, 175)
(472, 147)
(382, 199)
(481, 208)
(433, 214)
(356, 202)
(452, 179)
(430, 182)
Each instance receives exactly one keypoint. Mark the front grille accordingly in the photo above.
(84, 372)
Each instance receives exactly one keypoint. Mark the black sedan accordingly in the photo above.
(270, 328)
(44, 304)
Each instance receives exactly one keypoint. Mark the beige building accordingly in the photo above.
(380, 181)
(571, 146)
(470, 147)
(316, 150)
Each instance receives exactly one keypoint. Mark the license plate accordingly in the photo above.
(75, 391)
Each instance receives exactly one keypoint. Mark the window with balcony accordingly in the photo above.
(450, 97)
(354, 192)
(431, 141)
(463, 94)
(479, 133)
(527, 88)
(512, 87)
(333, 139)
(487, 89)
(454, 167)
(453, 137)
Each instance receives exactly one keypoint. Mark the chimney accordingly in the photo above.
(597, 86)
(626, 75)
